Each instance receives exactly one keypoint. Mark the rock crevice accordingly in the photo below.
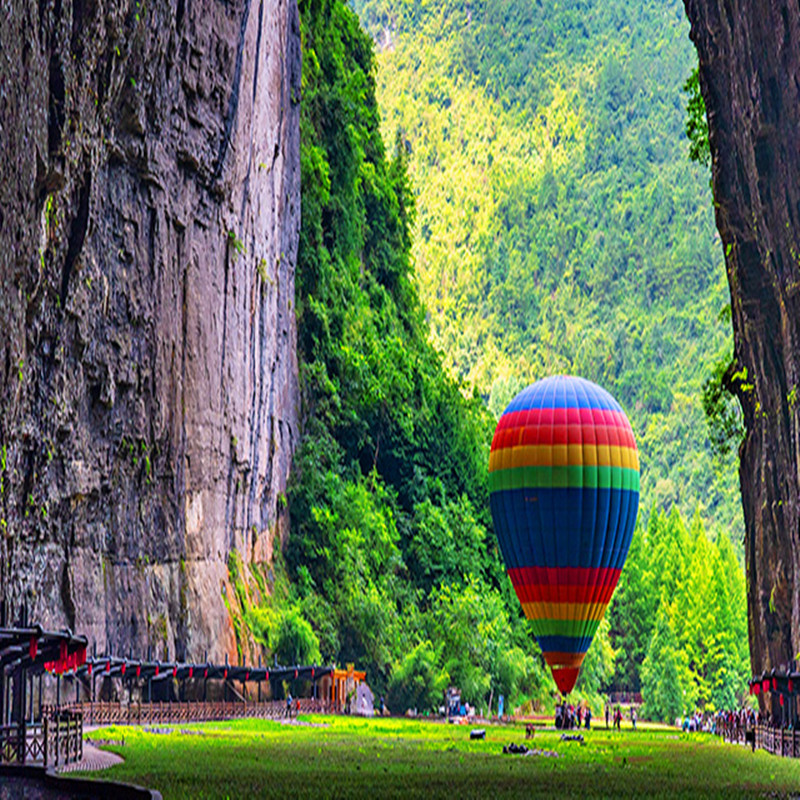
(749, 58)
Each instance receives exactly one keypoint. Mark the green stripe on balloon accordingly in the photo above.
(564, 627)
(577, 477)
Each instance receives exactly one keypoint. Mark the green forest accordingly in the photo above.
(561, 226)
(392, 561)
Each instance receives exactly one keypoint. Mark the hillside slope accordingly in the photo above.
(561, 226)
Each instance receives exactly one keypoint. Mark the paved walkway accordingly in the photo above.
(93, 759)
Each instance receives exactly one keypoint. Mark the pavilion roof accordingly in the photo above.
(35, 649)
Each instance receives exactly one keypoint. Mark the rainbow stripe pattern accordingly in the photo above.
(564, 489)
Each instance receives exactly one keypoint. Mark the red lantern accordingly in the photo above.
(765, 685)
(90, 669)
(225, 674)
(205, 672)
(33, 648)
(247, 675)
(774, 684)
(295, 674)
(175, 671)
(191, 672)
(266, 675)
(108, 667)
(781, 699)
(156, 670)
(124, 665)
(791, 686)
(138, 670)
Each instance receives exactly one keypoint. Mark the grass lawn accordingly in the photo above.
(350, 757)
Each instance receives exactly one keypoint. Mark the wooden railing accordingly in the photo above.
(625, 698)
(57, 740)
(778, 741)
(179, 713)
(12, 745)
(63, 737)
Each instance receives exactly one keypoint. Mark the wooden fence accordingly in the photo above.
(625, 698)
(63, 737)
(57, 740)
(180, 713)
(778, 741)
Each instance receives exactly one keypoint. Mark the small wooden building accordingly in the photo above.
(339, 684)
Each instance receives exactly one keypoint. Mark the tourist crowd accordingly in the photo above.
(569, 716)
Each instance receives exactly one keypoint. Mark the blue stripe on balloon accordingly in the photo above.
(563, 392)
(541, 528)
(564, 644)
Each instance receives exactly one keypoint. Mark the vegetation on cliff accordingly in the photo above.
(560, 226)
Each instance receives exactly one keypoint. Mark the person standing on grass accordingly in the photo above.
(289, 704)
(608, 712)
(588, 718)
(633, 717)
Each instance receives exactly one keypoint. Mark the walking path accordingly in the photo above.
(93, 759)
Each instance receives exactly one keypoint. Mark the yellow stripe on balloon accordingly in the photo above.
(564, 455)
(573, 611)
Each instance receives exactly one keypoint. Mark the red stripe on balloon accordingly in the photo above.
(549, 593)
(561, 434)
(560, 576)
(563, 416)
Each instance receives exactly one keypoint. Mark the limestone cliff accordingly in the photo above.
(149, 213)
(749, 67)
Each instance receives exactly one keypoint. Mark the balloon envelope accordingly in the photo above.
(564, 489)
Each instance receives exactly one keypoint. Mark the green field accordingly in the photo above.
(342, 757)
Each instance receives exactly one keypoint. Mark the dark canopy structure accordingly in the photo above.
(780, 687)
(150, 673)
(27, 653)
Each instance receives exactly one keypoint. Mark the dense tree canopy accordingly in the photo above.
(560, 225)
(680, 608)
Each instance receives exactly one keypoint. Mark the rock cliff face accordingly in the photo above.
(149, 213)
(749, 67)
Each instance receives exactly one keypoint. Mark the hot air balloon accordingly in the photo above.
(564, 489)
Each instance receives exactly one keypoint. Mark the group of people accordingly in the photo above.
(569, 716)
(722, 722)
(735, 721)
(615, 716)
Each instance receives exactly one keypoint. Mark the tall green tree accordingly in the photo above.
(631, 616)
(661, 685)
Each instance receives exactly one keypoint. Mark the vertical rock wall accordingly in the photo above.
(149, 213)
(749, 66)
